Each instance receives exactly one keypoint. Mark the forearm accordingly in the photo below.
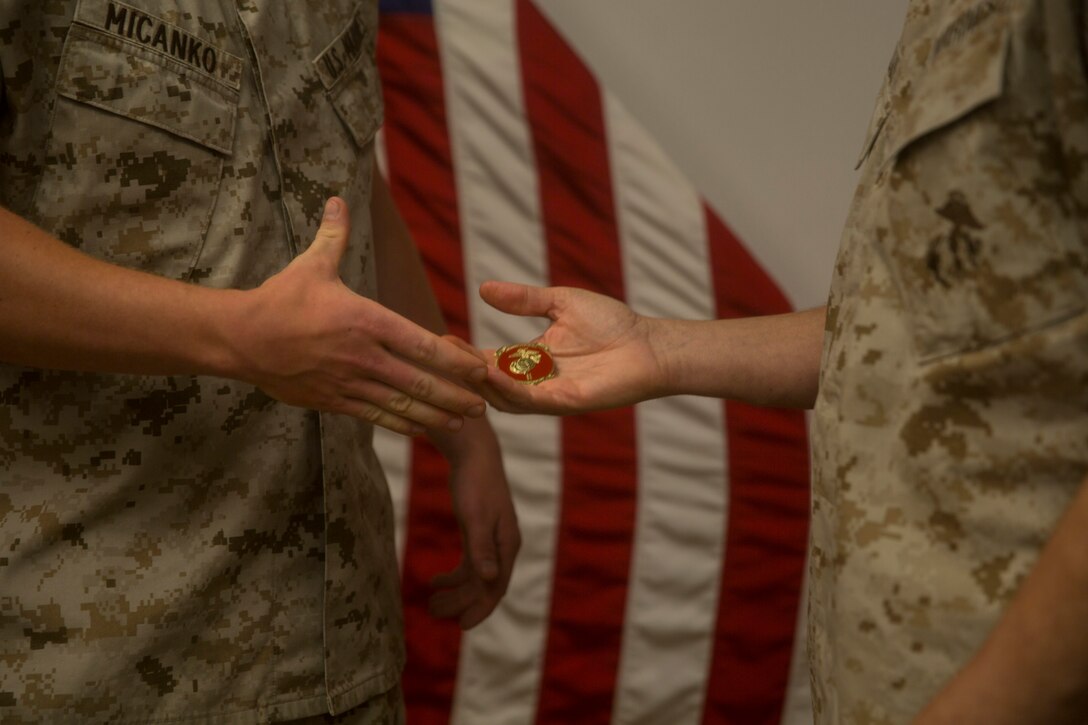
(302, 336)
(1034, 665)
(60, 308)
(769, 361)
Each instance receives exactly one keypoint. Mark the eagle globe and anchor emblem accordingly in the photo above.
(529, 363)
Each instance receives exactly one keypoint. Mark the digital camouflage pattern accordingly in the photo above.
(952, 420)
(185, 548)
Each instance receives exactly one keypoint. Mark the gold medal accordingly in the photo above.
(529, 363)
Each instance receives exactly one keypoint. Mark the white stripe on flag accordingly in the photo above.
(797, 708)
(680, 528)
(499, 670)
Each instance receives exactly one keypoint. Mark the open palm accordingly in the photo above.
(601, 347)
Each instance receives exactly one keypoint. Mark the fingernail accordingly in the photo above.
(476, 411)
(416, 430)
(332, 210)
(489, 570)
(455, 423)
(478, 375)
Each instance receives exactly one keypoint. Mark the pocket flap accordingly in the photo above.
(359, 106)
(127, 79)
(965, 69)
(348, 73)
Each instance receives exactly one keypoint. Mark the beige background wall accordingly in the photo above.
(763, 104)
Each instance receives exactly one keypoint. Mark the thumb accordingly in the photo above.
(483, 552)
(519, 299)
(331, 239)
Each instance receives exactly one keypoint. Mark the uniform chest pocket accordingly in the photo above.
(136, 151)
(350, 77)
(978, 236)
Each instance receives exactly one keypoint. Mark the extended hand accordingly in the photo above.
(306, 339)
(602, 350)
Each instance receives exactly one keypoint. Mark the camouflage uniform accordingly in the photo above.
(185, 548)
(952, 421)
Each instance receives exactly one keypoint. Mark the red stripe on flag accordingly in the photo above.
(768, 520)
(599, 460)
(420, 161)
(422, 182)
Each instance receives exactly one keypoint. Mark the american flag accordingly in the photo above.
(662, 569)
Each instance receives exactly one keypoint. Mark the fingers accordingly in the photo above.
(389, 393)
(451, 579)
(420, 366)
(377, 416)
(456, 592)
(469, 603)
(389, 407)
(519, 299)
(503, 393)
(423, 348)
(410, 385)
(467, 593)
(467, 347)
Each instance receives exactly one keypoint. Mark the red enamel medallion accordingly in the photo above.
(527, 363)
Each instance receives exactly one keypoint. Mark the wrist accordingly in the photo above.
(671, 342)
(225, 350)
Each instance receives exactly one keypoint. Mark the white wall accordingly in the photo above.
(763, 104)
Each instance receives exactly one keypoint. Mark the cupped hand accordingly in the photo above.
(603, 352)
(306, 339)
